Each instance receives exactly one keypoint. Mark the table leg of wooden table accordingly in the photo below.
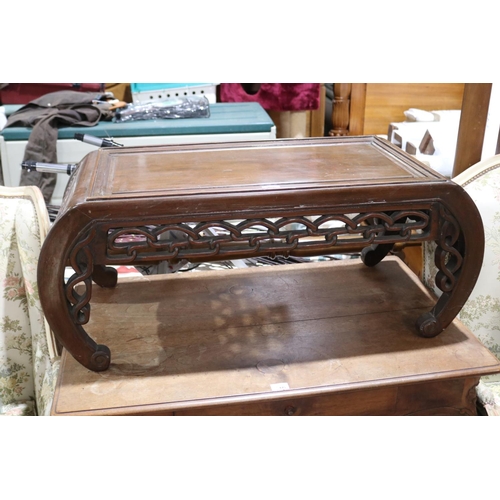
(105, 276)
(67, 306)
(373, 254)
(458, 257)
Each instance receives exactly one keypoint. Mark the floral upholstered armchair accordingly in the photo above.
(28, 355)
(481, 313)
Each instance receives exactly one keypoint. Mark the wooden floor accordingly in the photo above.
(317, 338)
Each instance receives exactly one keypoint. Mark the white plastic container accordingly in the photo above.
(143, 93)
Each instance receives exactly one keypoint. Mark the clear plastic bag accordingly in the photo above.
(179, 107)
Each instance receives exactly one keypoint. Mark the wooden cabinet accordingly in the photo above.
(294, 340)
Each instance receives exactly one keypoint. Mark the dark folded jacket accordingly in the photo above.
(45, 115)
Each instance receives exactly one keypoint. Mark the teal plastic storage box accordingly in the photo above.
(228, 122)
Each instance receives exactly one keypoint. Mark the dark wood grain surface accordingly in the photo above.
(339, 335)
(284, 197)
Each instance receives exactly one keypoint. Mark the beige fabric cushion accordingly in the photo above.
(28, 360)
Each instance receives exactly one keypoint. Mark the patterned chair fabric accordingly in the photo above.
(28, 355)
(481, 313)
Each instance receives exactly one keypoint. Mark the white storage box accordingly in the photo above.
(443, 132)
(154, 92)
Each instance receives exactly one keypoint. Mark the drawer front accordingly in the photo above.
(381, 401)
(445, 397)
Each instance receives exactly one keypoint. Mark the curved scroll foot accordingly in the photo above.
(373, 254)
(66, 304)
(428, 325)
(458, 258)
(107, 277)
(100, 360)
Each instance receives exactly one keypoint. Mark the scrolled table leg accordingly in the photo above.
(105, 276)
(67, 306)
(374, 254)
(428, 325)
(458, 258)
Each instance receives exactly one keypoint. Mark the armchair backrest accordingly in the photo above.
(28, 356)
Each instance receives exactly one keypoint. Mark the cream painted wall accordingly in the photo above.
(492, 123)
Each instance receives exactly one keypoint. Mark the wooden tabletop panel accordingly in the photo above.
(276, 165)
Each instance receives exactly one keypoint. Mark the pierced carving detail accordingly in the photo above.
(81, 261)
(448, 259)
(449, 252)
(265, 235)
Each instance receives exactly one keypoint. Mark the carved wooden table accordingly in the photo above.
(239, 200)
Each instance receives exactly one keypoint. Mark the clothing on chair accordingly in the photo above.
(45, 115)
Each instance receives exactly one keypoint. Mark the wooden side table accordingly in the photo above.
(314, 339)
(310, 196)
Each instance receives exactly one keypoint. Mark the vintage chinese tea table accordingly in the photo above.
(227, 201)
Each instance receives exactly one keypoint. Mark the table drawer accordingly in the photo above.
(380, 401)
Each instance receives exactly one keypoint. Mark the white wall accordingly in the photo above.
(492, 123)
